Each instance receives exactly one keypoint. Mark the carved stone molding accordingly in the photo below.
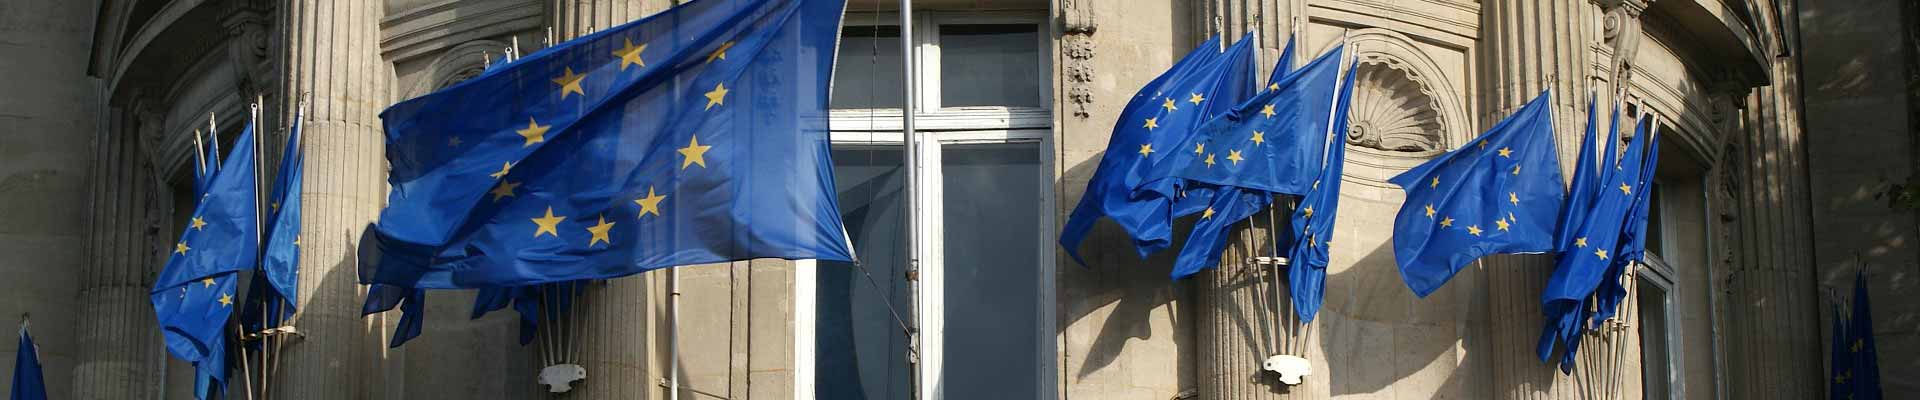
(1621, 31)
(1079, 23)
(1405, 110)
(250, 46)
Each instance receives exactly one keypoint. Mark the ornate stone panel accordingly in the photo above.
(1404, 110)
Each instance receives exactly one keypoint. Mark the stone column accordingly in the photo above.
(1529, 46)
(613, 341)
(1245, 312)
(119, 349)
(1773, 325)
(330, 53)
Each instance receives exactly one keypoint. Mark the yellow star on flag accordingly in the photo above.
(181, 248)
(1857, 344)
(1145, 149)
(1259, 137)
(695, 153)
(1446, 222)
(1506, 152)
(1196, 98)
(453, 141)
(1473, 230)
(1624, 189)
(1273, 86)
(1234, 156)
(504, 167)
(1602, 253)
(599, 232)
(1208, 213)
(1308, 211)
(197, 223)
(1513, 197)
(718, 96)
(208, 282)
(1152, 123)
(1267, 110)
(1429, 211)
(630, 55)
(1436, 182)
(1500, 224)
(720, 54)
(549, 224)
(226, 300)
(570, 83)
(535, 133)
(1199, 148)
(1516, 170)
(503, 190)
(1209, 160)
(1169, 105)
(649, 204)
(1580, 242)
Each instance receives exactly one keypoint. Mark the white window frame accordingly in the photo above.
(1659, 273)
(937, 127)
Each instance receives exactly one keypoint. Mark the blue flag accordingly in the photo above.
(1161, 114)
(28, 382)
(1633, 241)
(271, 292)
(1864, 355)
(1272, 142)
(1313, 221)
(696, 135)
(194, 294)
(1219, 206)
(529, 301)
(1597, 242)
(1586, 176)
(1840, 360)
(1498, 194)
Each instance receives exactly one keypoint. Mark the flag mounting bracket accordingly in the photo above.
(1266, 260)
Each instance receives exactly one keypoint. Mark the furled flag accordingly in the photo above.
(1313, 221)
(1161, 114)
(271, 293)
(1579, 270)
(1587, 176)
(696, 135)
(194, 294)
(1839, 360)
(1498, 194)
(28, 384)
(1865, 366)
(1241, 135)
(1633, 240)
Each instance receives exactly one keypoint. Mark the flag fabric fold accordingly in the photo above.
(1596, 249)
(194, 295)
(1163, 113)
(1498, 194)
(29, 382)
(1313, 221)
(696, 135)
(1861, 351)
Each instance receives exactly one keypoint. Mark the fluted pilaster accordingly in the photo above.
(119, 352)
(1530, 46)
(330, 53)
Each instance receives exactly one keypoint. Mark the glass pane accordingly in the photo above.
(990, 65)
(867, 73)
(992, 225)
(860, 352)
(1655, 365)
(1655, 221)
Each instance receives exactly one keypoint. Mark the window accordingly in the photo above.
(985, 210)
(1656, 353)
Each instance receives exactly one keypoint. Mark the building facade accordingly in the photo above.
(1774, 153)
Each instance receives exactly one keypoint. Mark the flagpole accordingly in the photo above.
(911, 146)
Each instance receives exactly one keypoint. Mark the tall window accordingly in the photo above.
(985, 207)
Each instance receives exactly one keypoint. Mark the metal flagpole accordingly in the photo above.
(911, 146)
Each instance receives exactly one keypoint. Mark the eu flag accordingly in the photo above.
(271, 292)
(1633, 241)
(194, 294)
(1839, 360)
(1468, 202)
(28, 383)
(1313, 221)
(1161, 114)
(1865, 368)
(696, 135)
(1579, 270)
(1272, 142)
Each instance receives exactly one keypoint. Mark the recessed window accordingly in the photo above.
(990, 65)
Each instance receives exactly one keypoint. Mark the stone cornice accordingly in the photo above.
(428, 29)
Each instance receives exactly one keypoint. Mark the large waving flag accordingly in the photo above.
(194, 293)
(1579, 270)
(1161, 114)
(1313, 221)
(1500, 193)
(28, 381)
(1239, 134)
(696, 135)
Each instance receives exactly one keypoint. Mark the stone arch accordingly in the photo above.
(1404, 110)
(457, 64)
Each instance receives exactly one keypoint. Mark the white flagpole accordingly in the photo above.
(911, 160)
